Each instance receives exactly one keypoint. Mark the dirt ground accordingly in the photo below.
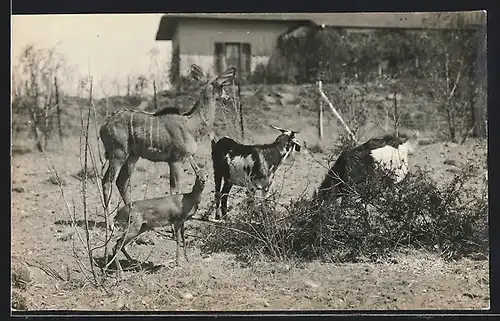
(43, 246)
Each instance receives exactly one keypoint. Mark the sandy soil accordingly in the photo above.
(407, 280)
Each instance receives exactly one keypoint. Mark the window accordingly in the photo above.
(233, 54)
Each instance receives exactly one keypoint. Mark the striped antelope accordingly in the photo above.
(165, 136)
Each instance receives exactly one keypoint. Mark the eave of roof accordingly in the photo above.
(168, 22)
(404, 20)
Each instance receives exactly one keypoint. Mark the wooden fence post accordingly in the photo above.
(241, 113)
(335, 112)
(155, 102)
(320, 110)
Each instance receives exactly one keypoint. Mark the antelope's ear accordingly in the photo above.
(197, 74)
(226, 78)
(416, 134)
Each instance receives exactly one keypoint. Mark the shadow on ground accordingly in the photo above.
(81, 223)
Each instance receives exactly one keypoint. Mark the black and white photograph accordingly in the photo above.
(249, 162)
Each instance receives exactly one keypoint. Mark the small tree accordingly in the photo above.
(451, 69)
(36, 79)
(174, 71)
(141, 85)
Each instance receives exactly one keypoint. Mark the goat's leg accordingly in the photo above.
(123, 180)
(250, 195)
(225, 194)
(218, 183)
(109, 177)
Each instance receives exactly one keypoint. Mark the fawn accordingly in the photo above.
(144, 215)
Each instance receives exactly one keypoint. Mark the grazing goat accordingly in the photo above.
(390, 153)
(164, 136)
(141, 216)
(250, 166)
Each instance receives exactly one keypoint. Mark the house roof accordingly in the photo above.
(168, 22)
(406, 20)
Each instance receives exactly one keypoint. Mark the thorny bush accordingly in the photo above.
(377, 218)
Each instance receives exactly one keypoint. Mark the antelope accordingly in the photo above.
(144, 215)
(164, 136)
(388, 152)
(250, 166)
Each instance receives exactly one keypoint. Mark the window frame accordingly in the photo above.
(244, 57)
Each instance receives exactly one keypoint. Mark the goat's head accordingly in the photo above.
(214, 87)
(292, 143)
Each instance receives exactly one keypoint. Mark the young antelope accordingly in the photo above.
(148, 214)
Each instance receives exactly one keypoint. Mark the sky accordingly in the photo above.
(110, 46)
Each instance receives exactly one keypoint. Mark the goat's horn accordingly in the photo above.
(278, 128)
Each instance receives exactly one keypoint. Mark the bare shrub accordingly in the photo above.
(256, 231)
(21, 276)
(18, 300)
(89, 173)
(56, 180)
(36, 94)
(378, 219)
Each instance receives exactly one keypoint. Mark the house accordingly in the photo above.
(217, 41)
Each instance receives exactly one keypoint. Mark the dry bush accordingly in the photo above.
(377, 219)
(21, 276)
(56, 180)
(18, 300)
(90, 173)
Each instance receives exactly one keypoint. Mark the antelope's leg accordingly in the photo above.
(109, 177)
(177, 234)
(175, 175)
(184, 242)
(123, 180)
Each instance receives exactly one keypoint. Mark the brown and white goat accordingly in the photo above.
(144, 215)
(250, 166)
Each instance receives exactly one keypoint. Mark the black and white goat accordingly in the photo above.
(250, 166)
(353, 166)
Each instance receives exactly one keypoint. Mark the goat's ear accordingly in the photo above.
(197, 74)
(226, 78)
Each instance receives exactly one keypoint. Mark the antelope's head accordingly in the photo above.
(213, 87)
